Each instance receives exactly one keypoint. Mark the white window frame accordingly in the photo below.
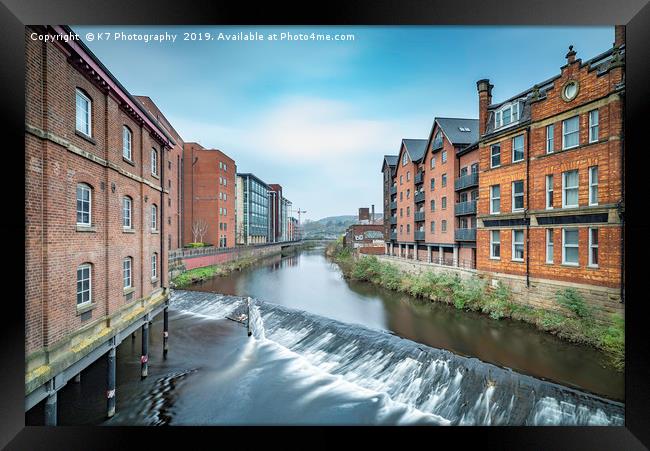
(593, 247)
(443, 203)
(593, 125)
(154, 217)
(523, 151)
(127, 143)
(405, 159)
(565, 134)
(443, 226)
(550, 246)
(593, 184)
(433, 226)
(154, 266)
(433, 162)
(126, 200)
(514, 115)
(127, 268)
(564, 246)
(89, 105)
(565, 188)
(492, 198)
(443, 156)
(549, 191)
(515, 243)
(154, 161)
(514, 196)
(493, 243)
(85, 187)
(443, 180)
(550, 138)
(82, 267)
(492, 165)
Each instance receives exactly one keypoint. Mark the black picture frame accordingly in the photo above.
(635, 14)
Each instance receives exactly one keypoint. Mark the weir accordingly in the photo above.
(462, 390)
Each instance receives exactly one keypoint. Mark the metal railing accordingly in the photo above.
(419, 235)
(418, 178)
(393, 205)
(393, 220)
(419, 216)
(465, 208)
(213, 250)
(465, 234)
(393, 236)
(393, 189)
(466, 181)
(419, 197)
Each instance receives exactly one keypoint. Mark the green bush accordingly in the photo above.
(571, 300)
(193, 245)
(613, 340)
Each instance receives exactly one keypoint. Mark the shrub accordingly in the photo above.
(193, 245)
(612, 340)
(571, 300)
(499, 302)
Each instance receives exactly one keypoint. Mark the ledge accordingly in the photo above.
(82, 228)
(154, 280)
(125, 230)
(131, 162)
(157, 177)
(155, 232)
(128, 290)
(86, 137)
(86, 308)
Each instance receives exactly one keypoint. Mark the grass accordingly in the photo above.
(572, 320)
(195, 275)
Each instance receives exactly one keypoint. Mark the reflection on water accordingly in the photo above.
(308, 281)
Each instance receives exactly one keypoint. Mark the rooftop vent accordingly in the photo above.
(464, 129)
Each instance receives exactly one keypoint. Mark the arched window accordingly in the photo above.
(83, 113)
(437, 141)
(126, 143)
(154, 161)
(127, 206)
(154, 265)
(127, 265)
(84, 284)
(84, 205)
(154, 217)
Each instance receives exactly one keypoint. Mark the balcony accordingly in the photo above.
(393, 205)
(418, 178)
(466, 181)
(465, 208)
(393, 220)
(419, 197)
(419, 235)
(419, 216)
(465, 235)
(393, 236)
(393, 190)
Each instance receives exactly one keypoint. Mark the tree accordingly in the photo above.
(199, 228)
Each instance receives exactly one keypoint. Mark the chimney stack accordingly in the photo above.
(484, 100)
(372, 214)
(619, 35)
(571, 56)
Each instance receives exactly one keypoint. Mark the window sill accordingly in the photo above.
(571, 265)
(155, 232)
(84, 136)
(81, 309)
(156, 176)
(154, 280)
(126, 291)
(495, 258)
(131, 162)
(130, 230)
(518, 261)
(85, 228)
(593, 267)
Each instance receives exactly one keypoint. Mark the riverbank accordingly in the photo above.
(572, 321)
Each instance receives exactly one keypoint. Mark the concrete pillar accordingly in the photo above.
(455, 255)
(165, 332)
(440, 255)
(428, 254)
(50, 409)
(144, 358)
(415, 252)
(110, 384)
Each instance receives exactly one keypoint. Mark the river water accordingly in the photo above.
(330, 351)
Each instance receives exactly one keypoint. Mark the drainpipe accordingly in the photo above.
(526, 217)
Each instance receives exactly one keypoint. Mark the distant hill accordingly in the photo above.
(331, 227)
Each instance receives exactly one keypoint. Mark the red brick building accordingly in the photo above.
(390, 193)
(95, 203)
(208, 196)
(275, 213)
(551, 176)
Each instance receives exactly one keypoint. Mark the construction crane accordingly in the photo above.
(299, 212)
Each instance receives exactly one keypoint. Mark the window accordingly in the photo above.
(405, 159)
(84, 201)
(474, 168)
(154, 217)
(401, 229)
(549, 192)
(495, 244)
(401, 179)
(126, 272)
(507, 115)
(444, 156)
(443, 226)
(570, 247)
(517, 148)
(433, 162)
(593, 248)
(570, 132)
(408, 211)
(444, 202)
(549, 245)
(220, 195)
(84, 284)
(126, 143)
(84, 114)
(443, 181)
(463, 171)
(408, 229)
(518, 195)
(474, 195)
(220, 165)
(550, 142)
(518, 245)
(401, 211)
(437, 141)
(401, 196)
(154, 161)
(126, 213)
(408, 193)
(408, 175)
(593, 126)
(570, 189)
(433, 184)
(433, 226)
(154, 265)
(433, 205)
(495, 199)
(463, 197)
(593, 185)
(225, 167)
(495, 156)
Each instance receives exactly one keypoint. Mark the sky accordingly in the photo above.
(317, 117)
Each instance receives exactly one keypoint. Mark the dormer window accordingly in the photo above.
(506, 115)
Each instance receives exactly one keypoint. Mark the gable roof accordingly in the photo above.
(415, 148)
(459, 130)
(391, 161)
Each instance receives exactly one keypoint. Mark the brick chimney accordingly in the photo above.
(571, 56)
(484, 100)
(619, 35)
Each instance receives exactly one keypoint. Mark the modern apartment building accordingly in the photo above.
(551, 175)
(390, 198)
(208, 196)
(252, 210)
(275, 212)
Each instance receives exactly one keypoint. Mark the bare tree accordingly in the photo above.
(199, 228)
